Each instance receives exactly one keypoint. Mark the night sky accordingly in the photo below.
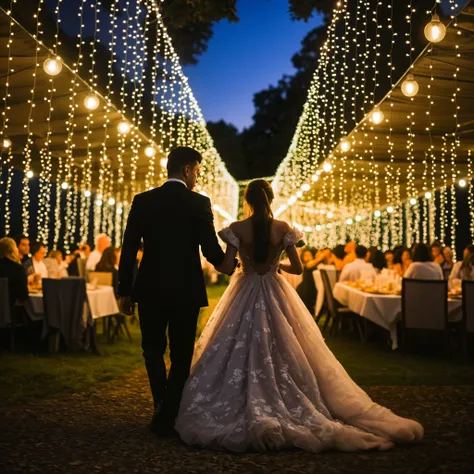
(245, 57)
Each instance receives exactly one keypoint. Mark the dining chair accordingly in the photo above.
(5, 311)
(336, 312)
(101, 278)
(467, 311)
(66, 312)
(424, 309)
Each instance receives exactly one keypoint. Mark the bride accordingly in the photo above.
(262, 376)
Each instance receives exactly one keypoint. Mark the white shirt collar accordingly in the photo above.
(176, 180)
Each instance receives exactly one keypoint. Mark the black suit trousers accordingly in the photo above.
(181, 323)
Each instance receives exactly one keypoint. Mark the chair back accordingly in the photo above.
(331, 302)
(65, 308)
(468, 304)
(446, 273)
(5, 310)
(425, 304)
(101, 278)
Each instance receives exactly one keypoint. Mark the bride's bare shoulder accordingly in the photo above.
(282, 226)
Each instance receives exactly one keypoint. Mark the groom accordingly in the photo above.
(173, 222)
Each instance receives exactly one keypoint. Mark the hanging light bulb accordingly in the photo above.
(98, 202)
(318, 227)
(428, 195)
(358, 219)
(29, 174)
(150, 151)
(389, 209)
(99, 196)
(314, 178)
(377, 116)
(119, 211)
(6, 143)
(413, 201)
(435, 31)
(377, 213)
(91, 101)
(64, 185)
(349, 221)
(53, 66)
(123, 127)
(345, 145)
(305, 187)
(164, 162)
(308, 229)
(299, 194)
(87, 193)
(330, 215)
(409, 86)
(111, 201)
(327, 167)
(462, 183)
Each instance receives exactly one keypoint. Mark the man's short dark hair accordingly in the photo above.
(19, 238)
(35, 246)
(361, 251)
(181, 157)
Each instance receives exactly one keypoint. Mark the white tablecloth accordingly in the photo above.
(318, 281)
(102, 302)
(383, 310)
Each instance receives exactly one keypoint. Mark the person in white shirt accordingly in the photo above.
(359, 268)
(456, 271)
(423, 267)
(38, 252)
(102, 241)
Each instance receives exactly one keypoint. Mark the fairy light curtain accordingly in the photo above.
(94, 99)
(382, 151)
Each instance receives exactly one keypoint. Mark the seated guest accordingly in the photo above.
(448, 258)
(401, 261)
(337, 257)
(38, 253)
(107, 264)
(359, 268)
(118, 253)
(423, 266)
(12, 269)
(102, 242)
(350, 252)
(456, 271)
(307, 288)
(56, 266)
(437, 253)
(467, 268)
(376, 258)
(23, 244)
(389, 259)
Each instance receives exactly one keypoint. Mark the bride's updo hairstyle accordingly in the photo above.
(259, 196)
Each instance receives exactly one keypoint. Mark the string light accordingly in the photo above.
(410, 86)
(435, 31)
(124, 127)
(150, 151)
(53, 66)
(29, 174)
(377, 116)
(91, 101)
(6, 143)
(462, 183)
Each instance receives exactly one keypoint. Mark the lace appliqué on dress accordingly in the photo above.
(228, 236)
(292, 237)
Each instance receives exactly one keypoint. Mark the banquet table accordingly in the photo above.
(101, 303)
(383, 310)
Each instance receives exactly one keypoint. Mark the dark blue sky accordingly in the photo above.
(245, 57)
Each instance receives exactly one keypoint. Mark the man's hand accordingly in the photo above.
(127, 306)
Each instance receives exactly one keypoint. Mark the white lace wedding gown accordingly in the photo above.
(264, 379)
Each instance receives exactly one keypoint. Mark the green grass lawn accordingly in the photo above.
(24, 377)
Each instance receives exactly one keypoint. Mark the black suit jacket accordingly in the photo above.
(17, 281)
(173, 222)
